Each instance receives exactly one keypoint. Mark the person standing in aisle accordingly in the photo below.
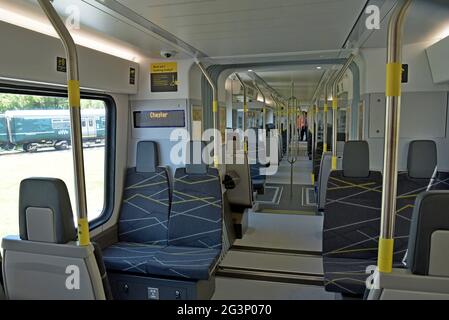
(302, 125)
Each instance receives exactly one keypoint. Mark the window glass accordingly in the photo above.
(35, 142)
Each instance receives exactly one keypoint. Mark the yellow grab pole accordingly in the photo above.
(326, 109)
(73, 88)
(245, 113)
(312, 118)
(334, 132)
(216, 120)
(338, 78)
(392, 122)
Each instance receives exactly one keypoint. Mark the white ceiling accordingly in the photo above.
(99, 23)
(427, 20)
(304, 82)
(238, 31)
(304, 78)
(241, 27)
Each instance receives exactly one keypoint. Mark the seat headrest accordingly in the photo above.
(147, 158)
(195, 164)
(422, 159)
(356, 159)
(429, 219)
(45, 212)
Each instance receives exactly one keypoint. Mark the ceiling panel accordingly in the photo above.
(102, 24)
(242, 27)
(426, 20)
(304, 82)
(304, 78)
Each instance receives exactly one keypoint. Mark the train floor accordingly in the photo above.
(246, 289)
(279, 257)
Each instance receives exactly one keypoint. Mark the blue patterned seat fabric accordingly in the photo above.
(196, 213)
(421, 175)
(184, 262)
(170, 261)
(185, 244)
(129, 256)
(351, 234)
(351, 225)
(257, 180)
(145, 207)
(348, 275)
(345, 275)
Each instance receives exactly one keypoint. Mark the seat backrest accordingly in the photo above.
(45, 262)
(429, 235)
(254, 149)
(196, 215)
(2, 292)
(323, 177)
(241, 195)
(352, 211)
(421, 164)
(146, 199)
(421, 159)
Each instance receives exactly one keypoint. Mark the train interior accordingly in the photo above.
(339, 190)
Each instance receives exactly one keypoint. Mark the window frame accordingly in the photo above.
(110, 138)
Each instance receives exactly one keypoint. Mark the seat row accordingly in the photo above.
(166, 246)
(175, 235)
(352, 212)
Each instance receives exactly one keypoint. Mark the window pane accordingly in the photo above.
(35, 142)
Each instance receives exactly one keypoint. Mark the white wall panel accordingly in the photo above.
(423, 115)
(438, 55)
(31, 56)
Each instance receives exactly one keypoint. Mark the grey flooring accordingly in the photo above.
(295, 198)
(283, 231)
(279, 231)
(279, 262)
(242, 289)
(301, 173)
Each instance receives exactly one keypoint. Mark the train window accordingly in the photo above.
(35, 130)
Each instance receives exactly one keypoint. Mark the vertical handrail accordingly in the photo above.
(338, 78)
(327, 89)
(392, 123)
(325, 111)
(295, 119)
(217, 136)
(348, 123)
(245, 113)
(264, 110)
(315, 135)
(74, 96)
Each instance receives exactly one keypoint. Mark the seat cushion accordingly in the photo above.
(145, 207)
(352, 214)
(184, 262)
(129, 257)
(179, 262)
(347, 276)
(196, 214)
(258, 183)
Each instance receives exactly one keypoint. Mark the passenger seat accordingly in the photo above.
(351, 221)
(143, 221)
(172, 253)
(2, 292)
(323, 177)
(421, 175)
(426, 275)
(36, 263)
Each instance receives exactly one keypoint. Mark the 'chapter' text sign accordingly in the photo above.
(159, 119)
